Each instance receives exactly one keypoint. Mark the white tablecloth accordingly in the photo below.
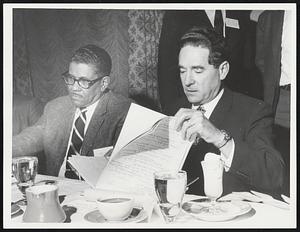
(261, 215)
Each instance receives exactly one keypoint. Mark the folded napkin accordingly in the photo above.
(212, 161)
(240, 196)
(212, 158)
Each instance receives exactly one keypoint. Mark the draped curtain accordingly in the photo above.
(144, 32)
(45, 39)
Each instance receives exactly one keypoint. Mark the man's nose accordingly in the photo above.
(75, 86)
(189, 80)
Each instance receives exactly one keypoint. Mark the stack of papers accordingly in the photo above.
(147, 143)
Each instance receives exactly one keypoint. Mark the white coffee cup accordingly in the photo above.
(115, 208)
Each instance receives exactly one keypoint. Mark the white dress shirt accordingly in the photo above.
(89, 113)
(286, 42)
(211, 16)
(209, 108)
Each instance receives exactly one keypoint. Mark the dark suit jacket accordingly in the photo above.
(52, 131)
(268, 53)
(256, 164)
(175, 24)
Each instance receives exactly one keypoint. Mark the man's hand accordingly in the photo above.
(193, 123)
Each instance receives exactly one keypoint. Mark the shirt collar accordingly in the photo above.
(210, 106)
(89, 108)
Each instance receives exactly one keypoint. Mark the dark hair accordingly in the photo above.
(92, 54)
(207, 38)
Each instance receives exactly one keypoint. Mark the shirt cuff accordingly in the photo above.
(227, 161)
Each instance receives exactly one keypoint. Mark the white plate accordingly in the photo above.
(14, 209)
(225, 210)
(137, 215)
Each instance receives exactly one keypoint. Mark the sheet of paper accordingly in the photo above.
(89, 167)
(139, 119)
(159, 148)
(102, 151)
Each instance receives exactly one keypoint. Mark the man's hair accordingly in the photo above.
(92, 54)
(207, 38)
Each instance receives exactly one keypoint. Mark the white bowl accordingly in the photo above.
(115, 208)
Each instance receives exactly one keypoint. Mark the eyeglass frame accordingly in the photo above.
(90, 82)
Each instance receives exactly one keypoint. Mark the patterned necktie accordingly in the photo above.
(201, 108)
(218, 22)
(76, 142)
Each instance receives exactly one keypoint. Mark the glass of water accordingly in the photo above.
(24, 170)
(170, 188)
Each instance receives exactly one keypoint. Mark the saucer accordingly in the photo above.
(225, 210)
(14, 209)
(137, 215)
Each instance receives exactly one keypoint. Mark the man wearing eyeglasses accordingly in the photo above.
(90, 117)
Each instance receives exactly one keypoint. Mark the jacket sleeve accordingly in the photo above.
(255, 160)
(30, 140)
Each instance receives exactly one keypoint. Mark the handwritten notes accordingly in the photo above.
(147, 143)
(159, 148)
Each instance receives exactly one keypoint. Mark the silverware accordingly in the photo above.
(267, 199)
(285, 198)
(192, 182)
(255, 197)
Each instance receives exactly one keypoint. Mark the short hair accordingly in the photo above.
(92, 54)
(206, 38)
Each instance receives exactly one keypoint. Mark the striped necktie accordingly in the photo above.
(201, 109)
(218, 22)
(76, 142)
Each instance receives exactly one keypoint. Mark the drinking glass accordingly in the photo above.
(213, 182)
(24, 170)
(170, 188)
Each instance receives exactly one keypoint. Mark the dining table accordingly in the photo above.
(72, 194)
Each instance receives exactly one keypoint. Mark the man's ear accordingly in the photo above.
(105, 83)
(223, 69)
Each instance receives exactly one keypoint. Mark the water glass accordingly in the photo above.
(24, 170)
(170, 188)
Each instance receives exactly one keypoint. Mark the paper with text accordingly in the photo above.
(156, 146)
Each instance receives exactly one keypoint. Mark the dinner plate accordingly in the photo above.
(199, 209)
(15, 208)
(137, 215)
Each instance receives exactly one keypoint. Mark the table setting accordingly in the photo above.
(61, 202)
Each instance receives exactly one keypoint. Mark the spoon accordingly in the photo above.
(192, 182)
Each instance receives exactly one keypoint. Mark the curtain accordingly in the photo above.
(45, 39)
(144, 32)
(21, 71)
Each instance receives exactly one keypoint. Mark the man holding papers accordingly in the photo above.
(90, 117)
(237, 127)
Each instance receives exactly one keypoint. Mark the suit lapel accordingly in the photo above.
(95, 125)
(221, 109)
(65, 127)
(69, 115)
